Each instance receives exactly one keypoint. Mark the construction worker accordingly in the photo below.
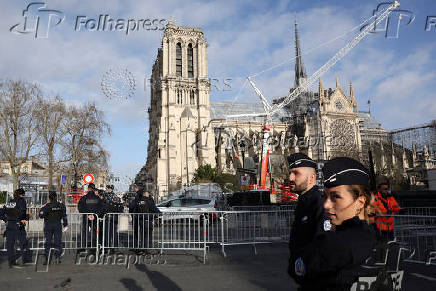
(332, 261)
(53, 212)
(309, 213)
(385, 205)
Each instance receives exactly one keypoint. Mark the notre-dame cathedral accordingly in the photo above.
(186, 130)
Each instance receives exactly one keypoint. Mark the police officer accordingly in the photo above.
(112, 204)
(53, 212)
(309, 213)
(142, 207)
(332, 261)
(14, 214)
(90, 203)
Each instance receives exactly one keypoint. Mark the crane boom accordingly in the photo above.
(330, 63)
(266, 106)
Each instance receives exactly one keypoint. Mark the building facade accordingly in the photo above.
(180, 138)
(187, 130)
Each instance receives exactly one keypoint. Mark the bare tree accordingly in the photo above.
(82, 144)
(17, 123)
(51, 117)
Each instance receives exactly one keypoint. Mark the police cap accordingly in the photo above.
(344, 171)
(91, 186)
(298, 160)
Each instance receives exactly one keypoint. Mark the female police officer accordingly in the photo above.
(332, 260)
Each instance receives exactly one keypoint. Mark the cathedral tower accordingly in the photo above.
(180, 138)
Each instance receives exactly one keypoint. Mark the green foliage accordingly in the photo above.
(204, 174)
(3, 195)
(208, 174)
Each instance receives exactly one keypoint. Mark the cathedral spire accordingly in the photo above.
(300, 71)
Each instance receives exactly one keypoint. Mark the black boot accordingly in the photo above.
(14, 264)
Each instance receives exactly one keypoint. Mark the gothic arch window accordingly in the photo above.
(179, 97)
(179, 59)
(192, 97)
(190, 61)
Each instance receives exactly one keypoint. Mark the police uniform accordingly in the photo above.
(53, 212)
(309, 213)
(12, 213)
(90, 203)
(143, 230)
(111, 204)
(333, 260)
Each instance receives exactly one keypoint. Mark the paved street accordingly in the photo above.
(241, 270)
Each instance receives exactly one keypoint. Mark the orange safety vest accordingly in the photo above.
(387, 206)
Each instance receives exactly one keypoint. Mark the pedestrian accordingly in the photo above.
(309, 213)
(14, 214)
(143, 209)
(385, 205)
(112, 206)
(332, 261)
(92, 205)
(53, 213)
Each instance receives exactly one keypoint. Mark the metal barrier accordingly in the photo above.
(170, 231)
(264, 207)
(418, 234)
(427, 211)
(82, 233)
(249, 227)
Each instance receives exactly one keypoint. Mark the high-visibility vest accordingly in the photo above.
(387, 206)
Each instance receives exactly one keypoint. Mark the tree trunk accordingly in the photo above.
(50, 168)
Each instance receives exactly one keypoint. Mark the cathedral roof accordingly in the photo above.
(222, 109)
(368, 121)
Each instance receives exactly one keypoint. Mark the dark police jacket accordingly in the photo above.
(14, 211)
(143, 205)
(90, 203)
(112, 203)
(53, 212)
(308, 220)
(332, 261)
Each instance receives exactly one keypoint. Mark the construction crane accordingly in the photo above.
(270, 110)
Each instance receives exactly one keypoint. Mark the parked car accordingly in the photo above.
(197, 207)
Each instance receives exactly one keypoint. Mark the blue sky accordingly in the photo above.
(244, 38)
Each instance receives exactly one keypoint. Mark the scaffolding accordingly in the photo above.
(417, 137)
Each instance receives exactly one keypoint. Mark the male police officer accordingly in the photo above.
(90, 203)
(142, 208)
(309, 213)
(53, 212)
(14, 214)
(112, 205)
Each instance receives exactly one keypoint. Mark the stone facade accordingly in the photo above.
(187, 130)
(180, 139)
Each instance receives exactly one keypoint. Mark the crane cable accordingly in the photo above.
(314, 48)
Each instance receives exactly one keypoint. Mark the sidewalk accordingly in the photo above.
(241, 270)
